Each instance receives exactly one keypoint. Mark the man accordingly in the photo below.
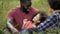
(16, 16)
(53, 19)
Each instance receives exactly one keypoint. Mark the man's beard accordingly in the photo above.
(25, 10)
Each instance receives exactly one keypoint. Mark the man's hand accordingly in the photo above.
(24, 23)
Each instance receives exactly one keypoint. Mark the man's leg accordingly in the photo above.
(23, 31)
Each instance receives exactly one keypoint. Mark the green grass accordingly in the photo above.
(5, 5)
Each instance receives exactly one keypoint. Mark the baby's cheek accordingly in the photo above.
(38, 22)
(34, 20)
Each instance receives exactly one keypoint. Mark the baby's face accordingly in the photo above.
(36, 19)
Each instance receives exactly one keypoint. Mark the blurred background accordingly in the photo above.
(5, 5)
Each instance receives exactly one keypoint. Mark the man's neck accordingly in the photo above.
(24, 10)
(57, 11)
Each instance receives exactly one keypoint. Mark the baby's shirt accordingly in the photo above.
(29, 24)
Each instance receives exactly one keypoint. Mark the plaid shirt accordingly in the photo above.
(52, 20)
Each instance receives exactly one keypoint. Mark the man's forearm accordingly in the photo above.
(9, 25)
(12, 28)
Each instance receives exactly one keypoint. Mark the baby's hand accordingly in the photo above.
(33, 25)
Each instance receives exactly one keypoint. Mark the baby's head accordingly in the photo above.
(36, 18)
(39, 17)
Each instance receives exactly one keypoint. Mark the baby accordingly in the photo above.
(36, 20)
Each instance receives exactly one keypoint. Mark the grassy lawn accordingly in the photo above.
(5, 5)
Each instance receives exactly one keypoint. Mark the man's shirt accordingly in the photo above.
(18, 16)
(52, 20)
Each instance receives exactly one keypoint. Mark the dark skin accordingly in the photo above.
(25, 8)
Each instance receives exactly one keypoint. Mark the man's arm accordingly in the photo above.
(50, 21)
(10, 26)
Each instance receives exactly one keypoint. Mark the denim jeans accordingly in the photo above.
(38, 32)
(29, 31)
(23, 31)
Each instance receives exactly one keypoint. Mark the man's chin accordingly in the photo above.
(28, 7)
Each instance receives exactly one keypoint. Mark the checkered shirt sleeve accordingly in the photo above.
(50, 21)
